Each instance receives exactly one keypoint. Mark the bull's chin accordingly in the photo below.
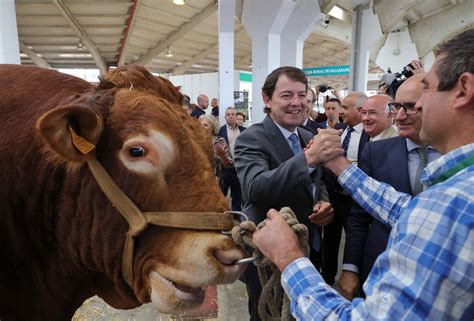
(172, 298)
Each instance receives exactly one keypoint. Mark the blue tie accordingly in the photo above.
(296, 148)
(345, 142)
(295, 144)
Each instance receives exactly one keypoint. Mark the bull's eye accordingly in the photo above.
(136, 151)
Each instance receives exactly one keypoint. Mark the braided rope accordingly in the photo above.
(272, 297)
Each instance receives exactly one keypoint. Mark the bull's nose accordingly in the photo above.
(228, 257)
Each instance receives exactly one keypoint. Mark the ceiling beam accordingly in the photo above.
(125, 43)
(99, 61)
(177, 34)
(40, 62)
(181, 69)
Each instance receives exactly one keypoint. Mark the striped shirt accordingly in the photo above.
(427, 271)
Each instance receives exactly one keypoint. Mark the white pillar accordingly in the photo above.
(264, 21)
(226, 15)
(9, 46)
(366, 31)
(299, 26)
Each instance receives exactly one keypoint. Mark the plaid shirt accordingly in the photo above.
(427, 271)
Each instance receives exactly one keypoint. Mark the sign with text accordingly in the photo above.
(327, 71)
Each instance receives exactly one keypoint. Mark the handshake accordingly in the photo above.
(325, 149)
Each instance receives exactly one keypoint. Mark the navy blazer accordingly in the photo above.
(223, 132)
(386, 161)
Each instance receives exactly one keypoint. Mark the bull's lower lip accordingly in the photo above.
(183, 292)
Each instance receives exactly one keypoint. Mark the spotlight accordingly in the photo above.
(168, 52)
(179, 2)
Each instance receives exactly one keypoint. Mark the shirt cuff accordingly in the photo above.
(299, 275)
(350, 267)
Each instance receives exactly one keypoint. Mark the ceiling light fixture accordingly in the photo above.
(179, 2)
(80, 46)
(337, 13)
(168, 52)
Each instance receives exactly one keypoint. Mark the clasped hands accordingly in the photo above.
(323, 147)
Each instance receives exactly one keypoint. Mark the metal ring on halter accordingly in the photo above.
(246, 218)
(245, 261)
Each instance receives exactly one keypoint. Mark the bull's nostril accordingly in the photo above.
(228, 257)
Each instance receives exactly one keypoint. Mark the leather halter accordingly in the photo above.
(136, 219)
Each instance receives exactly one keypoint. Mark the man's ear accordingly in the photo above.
(266, 100)
(464, 91)
(58, 126)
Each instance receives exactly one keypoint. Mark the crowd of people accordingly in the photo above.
(395, 172)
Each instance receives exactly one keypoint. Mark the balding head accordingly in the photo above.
(375, 114)
(203, 101)
(408, 93)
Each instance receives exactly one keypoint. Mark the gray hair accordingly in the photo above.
(213, 121)
(459, 58)
(359, 99)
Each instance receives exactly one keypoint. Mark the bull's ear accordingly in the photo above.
(71, 131)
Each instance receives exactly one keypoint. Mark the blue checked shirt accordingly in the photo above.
(427, 271)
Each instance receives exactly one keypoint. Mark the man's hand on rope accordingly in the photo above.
(277, 241)
(322, 214)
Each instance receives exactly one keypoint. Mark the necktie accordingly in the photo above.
(345, 142)
(423, 156)
(295, 144)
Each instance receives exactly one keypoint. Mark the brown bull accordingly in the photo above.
(61, 240)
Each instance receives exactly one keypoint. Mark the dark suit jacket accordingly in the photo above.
(339, 125)
(329, 178)
(198, 112)
(272, 177)
(223, 132)
(386, 161)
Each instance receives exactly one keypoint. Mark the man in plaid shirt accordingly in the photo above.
(427, 271)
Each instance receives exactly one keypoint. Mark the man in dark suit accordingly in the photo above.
(310, 124)
(202, 104)
(353, 140)
(394, 161)
(275, 171)
(332, 109)
(230, 131)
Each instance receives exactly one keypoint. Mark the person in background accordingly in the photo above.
(377, 119)
(187, 104)
(332, 111)
(215, 107)
(202, 104)
(353, 140)
(310, 124)
(426, 272)
(396, 161)
(222, 156)
(240, 119)
(230, 131)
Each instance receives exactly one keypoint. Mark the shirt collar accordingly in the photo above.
(446, 162)
(286, 133)
(358, 128)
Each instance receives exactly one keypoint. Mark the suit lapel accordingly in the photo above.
(399, 156)
(277, 139)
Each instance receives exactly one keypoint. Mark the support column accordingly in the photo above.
(264, 20)
(366, 23)
(299, 26)
(9, 46)
(226, 16)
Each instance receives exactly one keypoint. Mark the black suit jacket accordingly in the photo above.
(272, 177)
(386, 161)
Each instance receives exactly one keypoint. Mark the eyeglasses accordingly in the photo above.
(409, 108)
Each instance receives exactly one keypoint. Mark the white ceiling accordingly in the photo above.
(141, 31)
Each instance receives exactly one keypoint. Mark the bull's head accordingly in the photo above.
(159, 157)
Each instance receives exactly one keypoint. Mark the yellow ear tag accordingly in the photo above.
(82, 144)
